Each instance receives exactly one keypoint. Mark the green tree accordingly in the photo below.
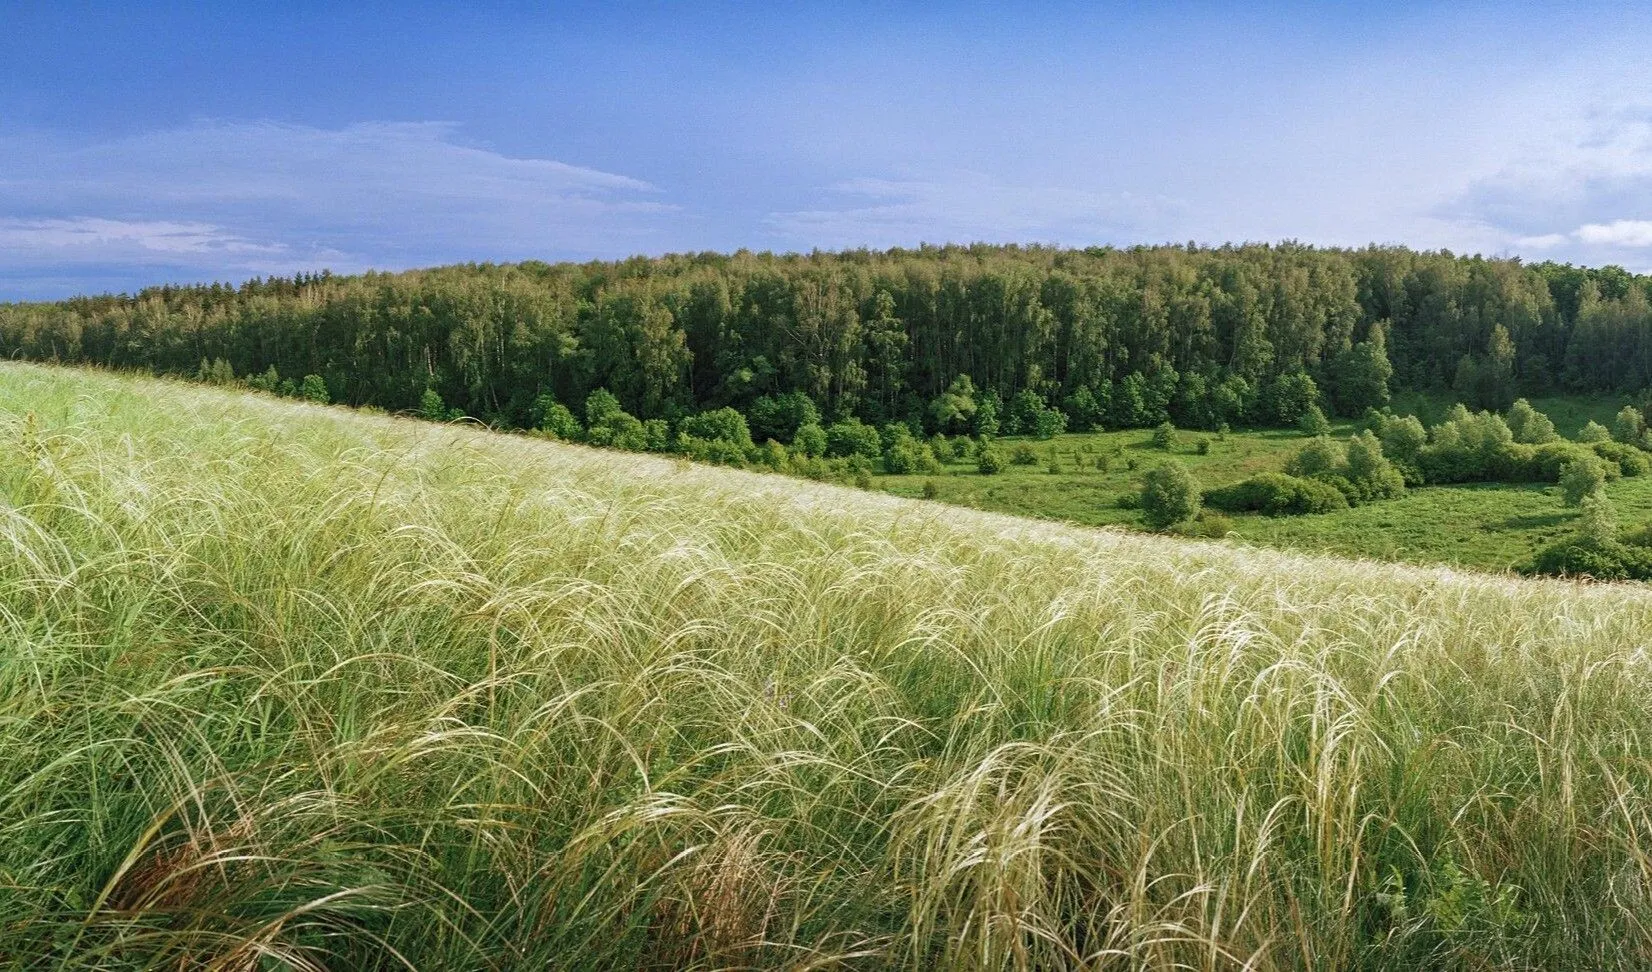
(1628, 425)
(1529, 425)
(1581, 478)
(1313, 422)
(986, 416)
(954, 409)
(1289, 397)
(1169, 495)
(1362, 373)
(1597, 522)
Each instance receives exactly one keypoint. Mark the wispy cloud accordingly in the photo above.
(156, 236)
(966, 207)
(229, 199)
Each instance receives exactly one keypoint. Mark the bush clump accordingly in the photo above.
(989, 461)
(1169, 495)
(1277, 494)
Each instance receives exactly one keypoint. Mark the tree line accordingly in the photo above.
(942, 339)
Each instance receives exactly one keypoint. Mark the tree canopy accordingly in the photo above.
(1118, 337)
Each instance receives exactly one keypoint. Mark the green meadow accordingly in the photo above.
(1487, 526)
(285, 686)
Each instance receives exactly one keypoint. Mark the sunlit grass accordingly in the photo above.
(283, 686)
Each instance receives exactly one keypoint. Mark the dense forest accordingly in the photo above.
(1110, 337)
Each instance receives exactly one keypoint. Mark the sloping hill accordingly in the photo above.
(286, 684)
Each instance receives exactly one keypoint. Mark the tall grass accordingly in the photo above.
(286, 687)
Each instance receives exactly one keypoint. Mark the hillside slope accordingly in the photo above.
(289, 684)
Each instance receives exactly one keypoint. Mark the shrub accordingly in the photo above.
(960, 448)
(1529, 425)
(314, 389)
(1208, 524)
(955, 408)
(656, 435)
(1202, 446)
(1473, 448)
(774, 456)
(1049, 423)
(851, 437)
(1169, 495)
(269, 381)
(1370, 474)
(618, 430)
(986, 416)
(1403, 439)
(1277, 494)
(930, 489)
(1629, 460)
(988, 460)
(599, 406)
(906, 456)
(1593, 432)
(810, 440)
(1288, 397)
(1023, 455)
(1581, 478)
(1321, 457)
(719, 424)
(555, 418)
(1594, 549)
(780, 416)
(431, 408)
(1024, 410)
(1165, 436)
(1550, 458)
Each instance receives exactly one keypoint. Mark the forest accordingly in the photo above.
(1107, 338)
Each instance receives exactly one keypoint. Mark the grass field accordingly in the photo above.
(288, 687)
(1484, 526)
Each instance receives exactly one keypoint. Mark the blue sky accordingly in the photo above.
(150, 143)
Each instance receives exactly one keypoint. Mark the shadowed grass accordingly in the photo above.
(283, 686)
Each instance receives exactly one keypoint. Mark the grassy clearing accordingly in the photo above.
(289, 687)
(1482, 526)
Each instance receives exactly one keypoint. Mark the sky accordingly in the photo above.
(154, 143)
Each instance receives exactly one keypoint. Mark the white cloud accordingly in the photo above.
(1619, 232)
(1566, 197)
(223, 200)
